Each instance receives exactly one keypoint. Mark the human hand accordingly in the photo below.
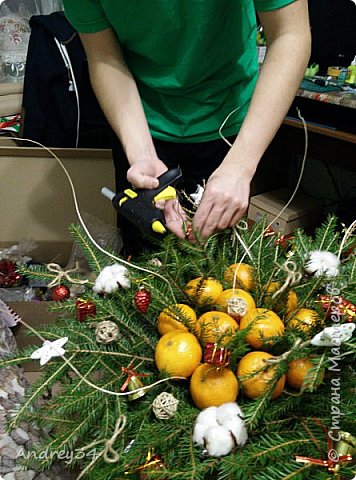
(225, 200)
(144, 173)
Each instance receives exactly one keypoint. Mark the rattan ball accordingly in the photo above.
(165, 406)
(106, 332)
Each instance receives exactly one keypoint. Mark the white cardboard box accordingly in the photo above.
(302, 212)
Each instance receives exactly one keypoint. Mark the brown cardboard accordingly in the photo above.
(36, 199)
(36, 314)
(10, 98)
(303, 211)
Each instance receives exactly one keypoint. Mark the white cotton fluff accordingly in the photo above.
(197, 195)
(199, 433)
(218, 441)
(208, 416)
(321, 262)
(111, 278)
(236, 427)
(205, 419)
(333, 336)
(219, 429)
(229, 409)
(230, 416)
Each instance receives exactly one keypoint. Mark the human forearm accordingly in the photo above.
(118, 96)
(280, 76)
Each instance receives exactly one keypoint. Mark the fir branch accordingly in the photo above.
(37, 392)
(81, 238)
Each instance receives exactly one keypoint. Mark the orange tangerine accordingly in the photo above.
(303, 319)
(245, 275)
(284, 303)
(203, 290)
(243, 301)
(298, 370)
(176, 317)
(213, 386)
(178, 353)
(265, 323)
(258, 384)
(216, 327)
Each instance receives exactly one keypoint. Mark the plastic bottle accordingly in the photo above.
(351, 72)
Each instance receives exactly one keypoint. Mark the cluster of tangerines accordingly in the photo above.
(179, 350)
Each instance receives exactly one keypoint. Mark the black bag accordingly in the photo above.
(59, 108)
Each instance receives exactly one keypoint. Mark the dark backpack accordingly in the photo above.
(59, 108)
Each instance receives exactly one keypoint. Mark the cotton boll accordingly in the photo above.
(208, 416)
(110, 278)
(228, 409)
(120, 273)
(322, 263)
(218, 441)
(199, 432)
(236, 427)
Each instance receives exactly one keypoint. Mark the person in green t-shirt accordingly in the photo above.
(178, 80)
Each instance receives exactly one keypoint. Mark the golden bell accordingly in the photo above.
(134, 384)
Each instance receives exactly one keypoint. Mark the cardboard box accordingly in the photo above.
(36, 314)
(37, 202)
(10, 98)
(302, 212)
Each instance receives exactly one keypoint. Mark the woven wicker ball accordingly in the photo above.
(107, 332)
(164, 406)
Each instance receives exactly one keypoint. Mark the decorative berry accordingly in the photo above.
(142, 300)
(8, 275)
(60, 292)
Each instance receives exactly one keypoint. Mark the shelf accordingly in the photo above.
(328, 132)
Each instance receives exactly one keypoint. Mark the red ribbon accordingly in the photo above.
(281, 240)
(130, 372)
(11, 123)
(333, 457)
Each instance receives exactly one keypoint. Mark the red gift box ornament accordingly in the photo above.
(215, 355)
(338, 305)
(85, 309)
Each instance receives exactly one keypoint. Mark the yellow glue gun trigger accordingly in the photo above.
(169, 193)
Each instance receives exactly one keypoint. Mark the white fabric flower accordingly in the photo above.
(50, 350)
(321, 262)
(333, 336)
(111, 278)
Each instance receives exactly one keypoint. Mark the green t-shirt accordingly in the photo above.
(194, 61)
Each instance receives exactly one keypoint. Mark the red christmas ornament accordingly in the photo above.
(85, 309)
(8, 275)
(142, 300)
(60, 292)
(215, 355)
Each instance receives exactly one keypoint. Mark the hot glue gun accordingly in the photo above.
(139, 206)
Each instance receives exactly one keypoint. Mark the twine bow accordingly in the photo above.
(130, 374)
(55, 268)
(293, 276)
(109, 454)
(334, 458)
